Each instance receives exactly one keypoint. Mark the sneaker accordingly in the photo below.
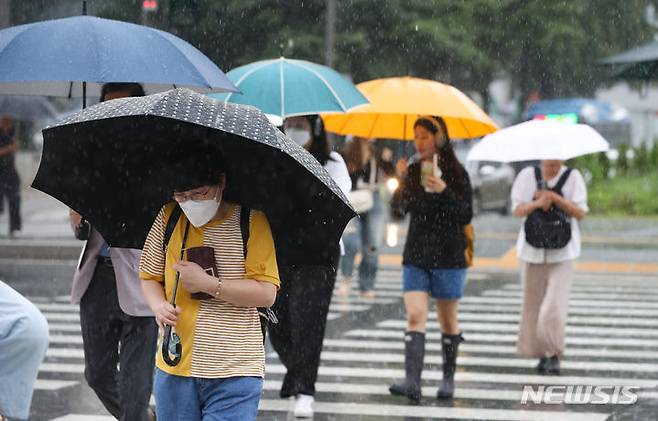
(304, 406)
(541, 367)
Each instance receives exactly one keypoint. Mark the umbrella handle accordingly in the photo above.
(178, 351)
(178, 347)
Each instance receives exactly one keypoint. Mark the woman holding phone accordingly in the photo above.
(436, 192)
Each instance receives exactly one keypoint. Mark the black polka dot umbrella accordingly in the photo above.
(116, 164)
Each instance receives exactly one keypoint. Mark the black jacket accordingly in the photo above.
(436, 230)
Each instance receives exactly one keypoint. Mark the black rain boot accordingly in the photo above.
(449, 347)
(552, 366)
(414, 356)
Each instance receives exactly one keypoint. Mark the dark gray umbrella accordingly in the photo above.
(117, 162)
(639, 63)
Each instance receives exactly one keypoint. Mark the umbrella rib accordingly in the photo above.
(331, 89)
(468, 133)
(374, 123)
(282, 85)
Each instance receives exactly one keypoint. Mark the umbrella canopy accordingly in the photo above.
(55, 57)
(289, 88)
(396, 103)
(28, 108)
(639, 63)
(116, 163)
(538, 140)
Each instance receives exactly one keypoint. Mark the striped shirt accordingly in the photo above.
(219, 339)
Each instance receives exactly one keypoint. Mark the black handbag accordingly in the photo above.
(549, 229)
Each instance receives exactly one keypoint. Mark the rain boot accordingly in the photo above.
(414, 355)
(449, 347)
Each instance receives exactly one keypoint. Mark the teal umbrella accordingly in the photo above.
(287, 88)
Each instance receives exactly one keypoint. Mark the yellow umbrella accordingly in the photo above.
(396, 103)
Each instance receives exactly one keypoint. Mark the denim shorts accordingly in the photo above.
(192, 398)
(445, 284)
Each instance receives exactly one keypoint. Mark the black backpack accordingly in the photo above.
(266, 314)
(552, 229)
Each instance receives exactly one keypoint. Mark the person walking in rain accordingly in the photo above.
(10, 183)
(303, 303)
(547, 269)
(118, 329)
(368, 172)
(23, 345)
(219, 374)
(436, 192)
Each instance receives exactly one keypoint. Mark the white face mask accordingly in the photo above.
(299, 136)
(200, 212)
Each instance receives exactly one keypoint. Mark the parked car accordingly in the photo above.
(492, 184)
(491, 181)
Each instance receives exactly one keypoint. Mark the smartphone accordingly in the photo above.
(204, 257)
(429, 168)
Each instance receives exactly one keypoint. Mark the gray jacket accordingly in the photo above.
(126, 271)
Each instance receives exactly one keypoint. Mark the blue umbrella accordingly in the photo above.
(288, 88)
(75, 56)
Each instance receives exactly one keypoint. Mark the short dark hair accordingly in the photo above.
(201, 166)
(135, 89)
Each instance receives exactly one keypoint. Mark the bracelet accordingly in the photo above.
(219, 288)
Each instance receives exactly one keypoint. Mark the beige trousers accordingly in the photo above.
(546, 288)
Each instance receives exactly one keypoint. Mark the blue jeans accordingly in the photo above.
(370, 237)
(444, 284)
(193, 399)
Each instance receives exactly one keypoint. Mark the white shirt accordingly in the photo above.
(337, 169)
(574, 190)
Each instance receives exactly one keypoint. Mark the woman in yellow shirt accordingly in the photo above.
(221, 368)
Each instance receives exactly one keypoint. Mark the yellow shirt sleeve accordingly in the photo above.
(152, 262)
(260, 263)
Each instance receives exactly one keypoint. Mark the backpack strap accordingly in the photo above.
(171, 224)
(245, 213)
(560, 183)
(266, 314)
(538, 178)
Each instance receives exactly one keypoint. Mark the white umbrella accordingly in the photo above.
(538, 140)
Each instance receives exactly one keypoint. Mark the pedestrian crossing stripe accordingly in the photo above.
(432, 412)
(65, 339)
(53, 385)
(588, 295)
(501, 338)
(484, 308)
(644, 290)
(425, 412)
(472, 376)
(468, 347)
(514, 327)
(576, 302)
(53, 352)
(572, 319)
(508, 362)
(381, 389)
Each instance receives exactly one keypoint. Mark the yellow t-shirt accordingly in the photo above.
(219, 340)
